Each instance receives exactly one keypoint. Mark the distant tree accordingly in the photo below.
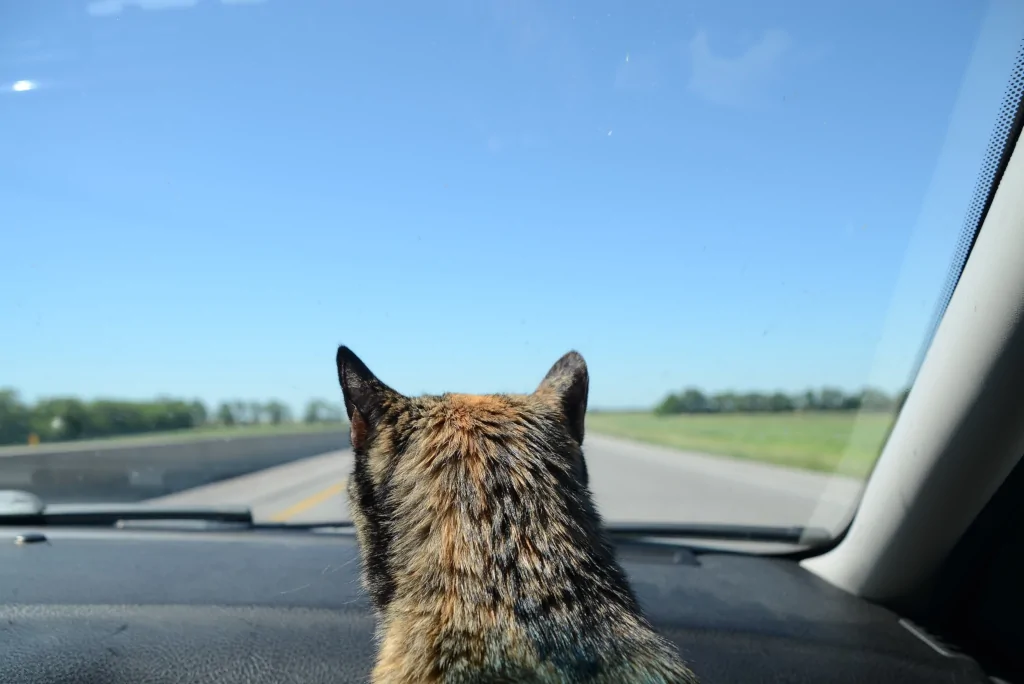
(850, 402)
(334, 413)
(226, 413)
(320, 411)
(66, 418)
(754, 402)
(831, 399)
(779, 402)
(807, 401)
(255, 412)
(14, 418)
(108, 417)
(199, 413)
(725, 402)
(240, 409)
(669, 406)
(60, 418)
(315, 411)
(694, 401)
(277, 412)
(875, 400)
(168, 414)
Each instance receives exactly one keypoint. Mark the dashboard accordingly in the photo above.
(159, 606)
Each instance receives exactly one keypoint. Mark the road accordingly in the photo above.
(632, 482)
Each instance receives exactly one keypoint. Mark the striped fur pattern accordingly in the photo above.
(483, 553)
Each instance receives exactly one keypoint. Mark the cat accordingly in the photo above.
(482, 551)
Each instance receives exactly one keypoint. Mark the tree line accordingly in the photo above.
(67, 418)
(693, 400)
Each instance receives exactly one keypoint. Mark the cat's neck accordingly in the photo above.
(466, 566)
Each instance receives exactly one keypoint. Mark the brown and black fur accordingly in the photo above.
(482, 551)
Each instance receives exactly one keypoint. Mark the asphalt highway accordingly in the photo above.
(632, 482)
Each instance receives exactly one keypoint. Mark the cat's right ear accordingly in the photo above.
(366, 397)
(569, 382)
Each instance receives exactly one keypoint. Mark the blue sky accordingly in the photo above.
(203, 198)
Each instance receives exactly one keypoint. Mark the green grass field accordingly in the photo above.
(842, 442)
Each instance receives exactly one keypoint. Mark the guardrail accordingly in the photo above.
(132, 470)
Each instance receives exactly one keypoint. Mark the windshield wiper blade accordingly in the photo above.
(24, 508)
(107, 514)
(742, 533)
(324, 525)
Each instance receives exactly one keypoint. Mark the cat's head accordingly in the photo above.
(429, 464)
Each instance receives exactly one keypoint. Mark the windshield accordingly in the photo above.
(745, 217)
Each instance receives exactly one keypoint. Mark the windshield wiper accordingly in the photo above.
(24, 508)
(740, 533)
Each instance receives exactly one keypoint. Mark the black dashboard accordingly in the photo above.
(105, 606)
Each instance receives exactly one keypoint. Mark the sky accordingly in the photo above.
(203, 198)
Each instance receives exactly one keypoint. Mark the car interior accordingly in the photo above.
(923, 586)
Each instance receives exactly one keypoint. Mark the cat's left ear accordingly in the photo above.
(366, 397)
(569, 382)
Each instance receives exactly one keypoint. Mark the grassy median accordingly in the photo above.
(843, 442)
(205, 432)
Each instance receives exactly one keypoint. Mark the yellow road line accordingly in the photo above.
(309, 502)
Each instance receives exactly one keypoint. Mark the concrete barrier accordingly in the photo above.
(132, 470)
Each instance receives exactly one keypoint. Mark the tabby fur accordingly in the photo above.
(483, 553)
